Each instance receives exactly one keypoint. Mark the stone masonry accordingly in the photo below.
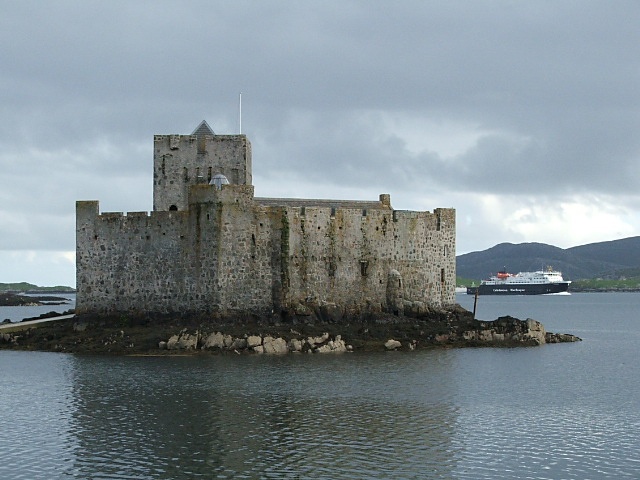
(211, 247)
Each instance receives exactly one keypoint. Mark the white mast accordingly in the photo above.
(240, 112)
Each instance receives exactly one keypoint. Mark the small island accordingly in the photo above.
(320, 331)
(17, 300)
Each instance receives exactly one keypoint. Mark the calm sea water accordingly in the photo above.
(567, 411)
(17, 314)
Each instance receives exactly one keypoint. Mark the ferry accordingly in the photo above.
(541, 282)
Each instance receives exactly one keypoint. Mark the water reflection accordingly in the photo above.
(557, 411)
(263, 417)
(36, 405)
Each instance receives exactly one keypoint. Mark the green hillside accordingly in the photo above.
(602, 266)
(29, 287)
(613, 260)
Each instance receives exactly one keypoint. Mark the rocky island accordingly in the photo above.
(17, 300)
(319, 332)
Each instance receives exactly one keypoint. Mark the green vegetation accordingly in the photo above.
(29, 287)
(623, 283)
(466, 282)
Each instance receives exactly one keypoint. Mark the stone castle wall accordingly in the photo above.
(227, 253)
(206, 249)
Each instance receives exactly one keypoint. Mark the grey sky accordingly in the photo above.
(524, 116)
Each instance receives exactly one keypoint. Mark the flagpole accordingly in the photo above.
(240, 111)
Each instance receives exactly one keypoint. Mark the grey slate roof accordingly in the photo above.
(203, 129)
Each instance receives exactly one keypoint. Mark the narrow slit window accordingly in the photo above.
(364, 265)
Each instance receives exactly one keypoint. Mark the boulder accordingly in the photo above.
(333, 346)
(313, 341)
(238, 344)
(254, 341)
(561, 338)
(295, 345)
(184, 341)
(215, 340)
(274, 345)
(535, 332)
(392, 344)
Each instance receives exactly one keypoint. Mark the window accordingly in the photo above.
(364, 265)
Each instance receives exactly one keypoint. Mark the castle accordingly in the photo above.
(210, 247)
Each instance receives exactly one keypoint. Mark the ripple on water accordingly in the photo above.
(563, 444)
(451, 414)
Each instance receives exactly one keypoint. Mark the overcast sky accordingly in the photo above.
(524, 116)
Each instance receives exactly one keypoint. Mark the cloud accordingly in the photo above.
(522, 116)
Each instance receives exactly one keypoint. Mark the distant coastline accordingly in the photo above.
(30, 288)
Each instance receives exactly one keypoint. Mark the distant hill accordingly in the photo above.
(25, 287)
(596, 260)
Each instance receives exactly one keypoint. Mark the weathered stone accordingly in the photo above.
(258, 349)
(238, 344)
(184, 341)
(254, 341)
(333, 346)
(535, 332)
(392, 344)
(485, 335)
(162, 345)
(172, 342)
(561, 338)
(215, 340)
(274, 345)
(313, 341)
(295, 345)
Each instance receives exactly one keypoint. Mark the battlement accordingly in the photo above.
(176, 142)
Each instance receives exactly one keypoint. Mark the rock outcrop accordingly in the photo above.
(255, 343)
(514, 331)
(276, 335)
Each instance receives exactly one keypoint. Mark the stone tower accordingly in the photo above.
(181, 161)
